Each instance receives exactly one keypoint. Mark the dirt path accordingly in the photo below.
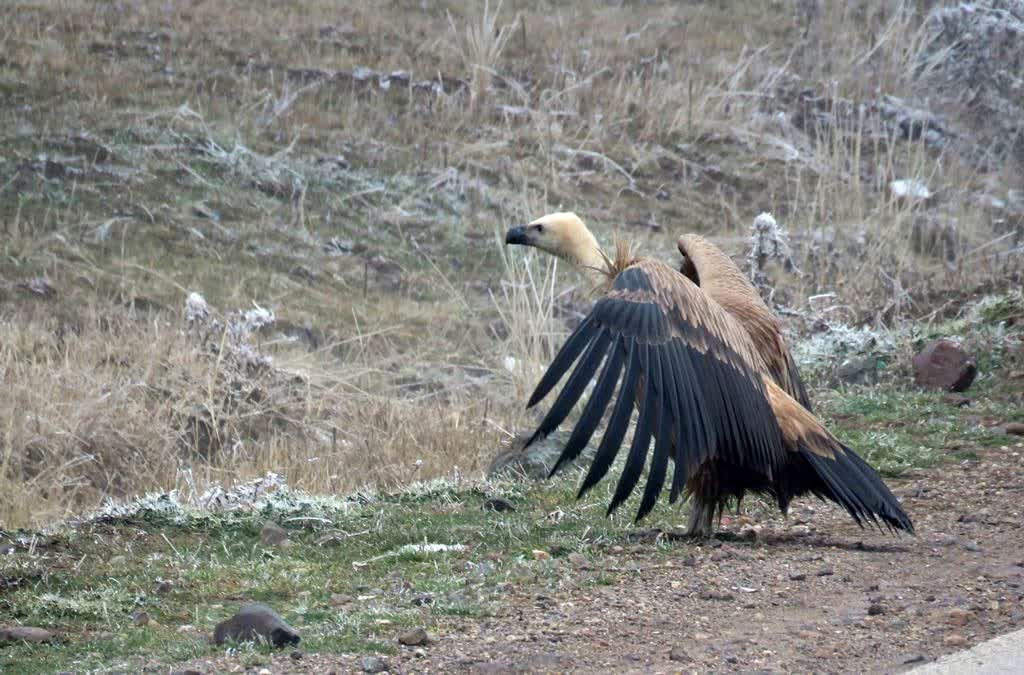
(814, 594)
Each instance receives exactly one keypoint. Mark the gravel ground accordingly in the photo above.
(815, 593)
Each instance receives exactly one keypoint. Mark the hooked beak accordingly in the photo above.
(517, 235)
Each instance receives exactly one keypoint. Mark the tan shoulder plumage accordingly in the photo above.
(723, 281)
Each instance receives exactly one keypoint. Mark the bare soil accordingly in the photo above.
(815, 593)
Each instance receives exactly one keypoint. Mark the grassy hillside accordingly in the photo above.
(350, 169)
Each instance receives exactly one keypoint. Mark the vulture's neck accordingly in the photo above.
(587, 257)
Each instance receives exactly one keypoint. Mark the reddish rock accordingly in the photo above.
(1015, 428)
(943, 364)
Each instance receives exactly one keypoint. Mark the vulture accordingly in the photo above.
(701, 358)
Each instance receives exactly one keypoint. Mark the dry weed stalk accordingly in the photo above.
(480, 47)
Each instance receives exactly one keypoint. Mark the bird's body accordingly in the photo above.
(701, 358)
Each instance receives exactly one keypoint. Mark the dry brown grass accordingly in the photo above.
(243, 151)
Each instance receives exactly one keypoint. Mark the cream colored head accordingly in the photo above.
(563, 235)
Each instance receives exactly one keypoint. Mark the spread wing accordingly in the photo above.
(656, 342)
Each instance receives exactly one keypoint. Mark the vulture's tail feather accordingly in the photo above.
(849, 481)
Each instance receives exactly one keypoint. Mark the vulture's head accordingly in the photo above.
(560, 234)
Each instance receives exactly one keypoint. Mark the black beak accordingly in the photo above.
(517, 235)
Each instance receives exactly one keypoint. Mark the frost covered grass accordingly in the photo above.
(355, 574)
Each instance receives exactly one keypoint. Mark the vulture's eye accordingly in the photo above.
(539, 227)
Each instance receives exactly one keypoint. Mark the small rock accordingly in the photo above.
(117, 561)
(423, 600)
(163, 587)
(825, 572)
(414, 638)
(959, 617)
(331, 539)
(339, 599)
(943, 364)
(678, 654)
(797, 576)
(955, 640)
(273, 534)
(373, 664)
(715, 595)
(911, 190)
(141, 619)
(498, 504)
(858, 370)
(295, 655)
(1015, 428)
(25, 634)
(38, 286)
(541, 555)
(253, 622)
(875, 609)
(577, 559)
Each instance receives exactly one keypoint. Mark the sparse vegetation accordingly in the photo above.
(352, 179)
(350, 167)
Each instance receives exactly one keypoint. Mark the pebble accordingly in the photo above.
(498, 504)
(273, 534)
(955, 640)
(373, 664)
(959, 617)
(414, 637)
(541, 555)
(715, 595)
(678, 654)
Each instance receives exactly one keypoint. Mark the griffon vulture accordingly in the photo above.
(700, 357)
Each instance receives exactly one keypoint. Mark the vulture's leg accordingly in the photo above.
(702, 518)
(705, 501)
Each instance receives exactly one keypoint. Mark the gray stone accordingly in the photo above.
(373, 664)
(414, 637)
(273, 534)
(256, 621)
(536, 461)
(25, 634)
(858, 370)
